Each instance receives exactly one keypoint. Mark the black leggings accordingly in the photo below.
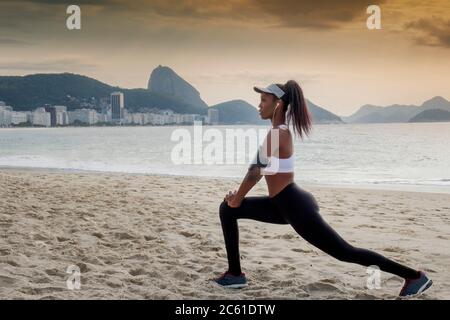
(298, 208)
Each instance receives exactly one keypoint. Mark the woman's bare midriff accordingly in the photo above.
(277, 182)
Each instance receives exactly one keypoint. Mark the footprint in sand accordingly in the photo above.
(367, 226)
(283, 283)
(114, 283)
(205, 269)
(301, 250)
(321, 287)
(40, 237)
(123, 236)
(137, 282)
(5, 252)
(43, 290)
(62, 239)
(139, 256)
(41, 280)
(188, 234)
(54, 272)
(6, 282)
(137, 272)
(98, 235)
(365, 296)
(10, 262)
(394, 249)
(181, 275)
(150, 238)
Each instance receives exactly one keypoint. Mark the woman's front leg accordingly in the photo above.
(255, 208)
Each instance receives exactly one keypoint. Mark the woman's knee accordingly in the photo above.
(223, 208)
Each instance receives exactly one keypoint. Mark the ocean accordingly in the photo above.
(394, 156)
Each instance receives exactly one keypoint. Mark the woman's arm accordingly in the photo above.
(254, 171)
(251, 178)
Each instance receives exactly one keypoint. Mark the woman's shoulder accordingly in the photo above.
(281, 131)
(283, 139)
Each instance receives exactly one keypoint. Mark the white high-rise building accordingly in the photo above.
(62, 117)
(168, 117)
(154, 118)
(104, 105)
(137, 118)
(18, 117)
(88, 116)
(41, 118)
(5, 116)
(213, 116)
(188, 118)
(102, 117)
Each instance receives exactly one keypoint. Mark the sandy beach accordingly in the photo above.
(137, 236)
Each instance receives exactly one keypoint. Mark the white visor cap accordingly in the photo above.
(273, 89)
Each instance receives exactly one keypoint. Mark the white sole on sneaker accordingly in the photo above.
(236, 286)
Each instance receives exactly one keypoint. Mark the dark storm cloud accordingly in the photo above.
(317, 14)
(432, 32)
(324, 14)
(144, 15)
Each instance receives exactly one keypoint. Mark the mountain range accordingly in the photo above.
(75, 91)
(167, 90)
(430, 110)
(165, 81)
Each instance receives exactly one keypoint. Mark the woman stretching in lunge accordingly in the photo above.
(287, 203)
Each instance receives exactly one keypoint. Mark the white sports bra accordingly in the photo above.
(276, 165)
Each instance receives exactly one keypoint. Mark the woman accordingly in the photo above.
(287, 203)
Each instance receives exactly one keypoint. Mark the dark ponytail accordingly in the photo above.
(298, 111)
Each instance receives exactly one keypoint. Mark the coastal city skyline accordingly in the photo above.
(112, 112)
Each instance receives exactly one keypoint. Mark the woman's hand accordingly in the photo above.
(232, 199)
(234, 202)
(228, 195)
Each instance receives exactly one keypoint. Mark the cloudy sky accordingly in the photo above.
(223, 48)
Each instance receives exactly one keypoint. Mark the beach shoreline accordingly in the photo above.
(373, 187)
(150, 236)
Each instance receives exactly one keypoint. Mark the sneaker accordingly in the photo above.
(229, 281)
(413, 287)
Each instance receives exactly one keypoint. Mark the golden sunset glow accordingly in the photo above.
(223, 48)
